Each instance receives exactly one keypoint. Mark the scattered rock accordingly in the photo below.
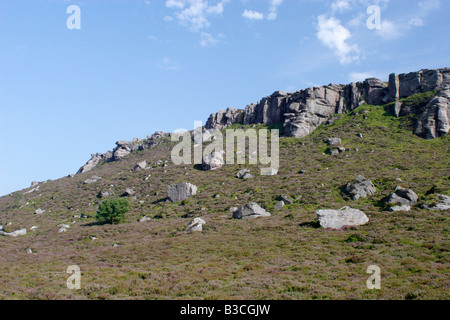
(241, 173)
(334, 141)
(214, 161)
(145, 219)
(128, 192)
(248, 176)
(103, 194)
(39, 211)
(93, 179)
(61, 230)
(442, 203)
(233, 209)
(181, 191)
(34, 184)
(28, 250)
(16, 233)
(402, 196)
(249, 211)
(279, 205)
(286, 200)
(336, 219)
(33, 228)
(403, 207)
(195, 225)
(360, 187)
(140, 166)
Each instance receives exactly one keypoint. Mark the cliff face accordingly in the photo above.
(303, 111)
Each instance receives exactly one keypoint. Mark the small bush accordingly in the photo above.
(112, 210)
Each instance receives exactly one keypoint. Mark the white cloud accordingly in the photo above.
(335, 36)
(253, 15)
(430, 5)
(340, 5)
(208, 40)
(194, 13)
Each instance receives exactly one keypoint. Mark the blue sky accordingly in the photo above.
(138, 66)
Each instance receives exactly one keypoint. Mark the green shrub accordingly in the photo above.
(112, 210)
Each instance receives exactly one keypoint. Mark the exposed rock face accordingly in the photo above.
(403, 207)
(250, 211)
(179, 192)
(140, 166)
(123, 149)
(434, 122)
(213, 162)
(360, 187)
(93, 179)
(303, 111)
(402, 196)
(336, 219)
(195, 225)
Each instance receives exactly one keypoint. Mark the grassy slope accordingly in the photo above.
(282, 257)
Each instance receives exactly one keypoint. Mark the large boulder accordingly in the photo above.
(442, 203)
(336, 219)
(140, 166)
(360, 187)
(179, 192)
(402, 196)
(250, 211)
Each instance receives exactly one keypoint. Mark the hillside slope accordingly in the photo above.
(285, 256)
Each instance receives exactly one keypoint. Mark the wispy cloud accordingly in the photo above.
(271, 15)
(195, 14)
(208, 40)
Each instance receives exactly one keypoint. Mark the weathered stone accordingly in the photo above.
(442, 203)
(247, 175)
(402, 196)
(434, 122)
(249, 211)
(360, 187)
(394, 88)
(181, 191)
(334, 141)
(195, 225)
(403, 207)
(242, 172)
(16, 233)
(214, 161)
(140, 166)
(39, 211)
(129, 192)
(93, 179)
(336, 219)
(286, 200)
(279, 205)
(145, 219)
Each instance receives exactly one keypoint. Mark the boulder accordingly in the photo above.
(145, 219)
(360, 187)
(336, 219)
(16, 233)
(442, 203)
(250, 211)
(91, 180)
(403, 207)
(286, 200)
(248, 175)
(214, 161)
(241, 173)
(140, 166)
(279, 205)
(129, 192)
(402, 196)
(195, 225)
(334, 141)
(103, 194)
(179, 192)
(39, 211)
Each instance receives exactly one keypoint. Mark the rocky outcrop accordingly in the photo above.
(250, 211)
(337, 219)
(442, 202)
(123, 149)
(434, 121)
(303, 111)
(179, 192)
(16, 233)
